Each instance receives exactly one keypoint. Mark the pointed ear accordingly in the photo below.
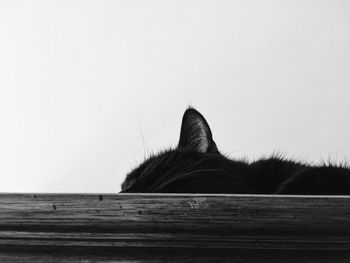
(195, 133)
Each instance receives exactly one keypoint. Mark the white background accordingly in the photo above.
(89, 88)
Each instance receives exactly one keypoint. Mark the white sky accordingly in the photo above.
(83, 82)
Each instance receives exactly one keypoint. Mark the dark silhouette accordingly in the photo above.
(196, 166)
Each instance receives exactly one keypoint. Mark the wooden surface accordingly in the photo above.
(150, 227)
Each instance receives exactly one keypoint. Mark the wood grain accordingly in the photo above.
(214, 224)
(176, 221)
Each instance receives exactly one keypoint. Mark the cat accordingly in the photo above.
(197, 166)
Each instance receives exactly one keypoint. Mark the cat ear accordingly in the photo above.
(195, 133)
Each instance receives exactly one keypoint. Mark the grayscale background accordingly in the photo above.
(89, 88)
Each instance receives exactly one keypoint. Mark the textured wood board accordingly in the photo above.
(176, 221)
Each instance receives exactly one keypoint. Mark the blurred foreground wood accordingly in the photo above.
(173, 227)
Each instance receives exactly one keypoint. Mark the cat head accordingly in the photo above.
(185, 168)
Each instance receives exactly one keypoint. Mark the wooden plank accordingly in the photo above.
(176, 221)
(175, 256)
